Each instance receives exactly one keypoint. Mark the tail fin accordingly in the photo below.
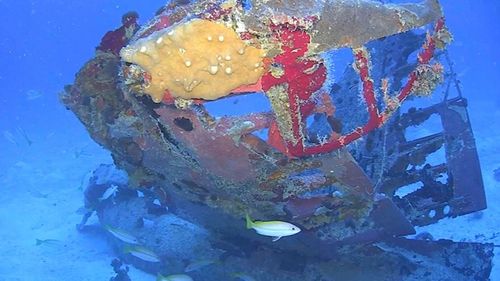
(249, 221)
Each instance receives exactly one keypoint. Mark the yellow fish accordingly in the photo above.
(142, 253)
(275, 229)
(121, 234)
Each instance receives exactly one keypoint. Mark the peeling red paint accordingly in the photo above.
(303, 77)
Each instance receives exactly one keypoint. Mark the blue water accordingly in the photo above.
(44, 43)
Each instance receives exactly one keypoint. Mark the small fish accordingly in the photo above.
(122, 235)
(23, 133)
(198, 264)
(46, 242)
(81, 152)
(33, 95)
(275, 229)
(242, 276)
(174, 277)
(10, 137)
(111, 191)
(142, 253)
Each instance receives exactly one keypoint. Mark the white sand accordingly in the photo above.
(40, 194)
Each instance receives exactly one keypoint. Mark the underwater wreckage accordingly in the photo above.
(332, 160)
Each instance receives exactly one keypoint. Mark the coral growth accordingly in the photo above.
(197, 59)
(290, 90)
(418, 82)
(225, 49)
(114, 40)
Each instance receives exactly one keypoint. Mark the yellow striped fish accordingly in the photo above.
(275, 229)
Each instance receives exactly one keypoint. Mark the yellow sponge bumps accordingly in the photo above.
(197, 59)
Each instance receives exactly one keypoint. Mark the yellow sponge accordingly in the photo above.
(197, 59)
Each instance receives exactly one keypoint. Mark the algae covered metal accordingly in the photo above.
(149, 107)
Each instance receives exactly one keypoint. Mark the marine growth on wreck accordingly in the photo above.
(275, 49)
(306, 180)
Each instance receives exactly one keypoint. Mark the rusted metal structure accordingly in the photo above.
(211, 170)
